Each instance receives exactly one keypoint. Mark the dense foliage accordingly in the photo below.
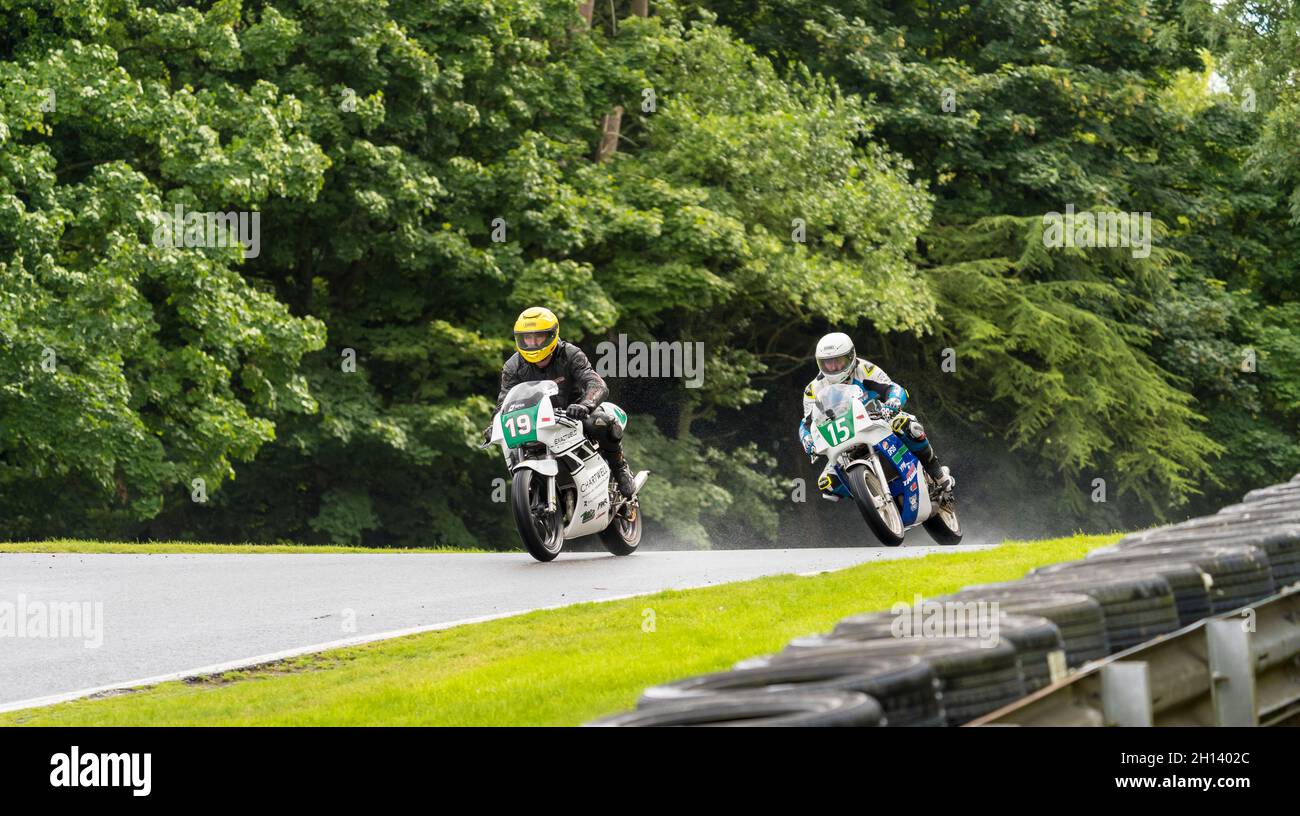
(422, 171)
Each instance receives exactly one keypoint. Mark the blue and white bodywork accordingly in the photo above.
(874, 466)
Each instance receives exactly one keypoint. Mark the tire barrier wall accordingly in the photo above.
(1195, 623)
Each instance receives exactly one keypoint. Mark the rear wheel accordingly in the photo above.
(623, 534)
(541, 531)
(943, 526)
(876, 505)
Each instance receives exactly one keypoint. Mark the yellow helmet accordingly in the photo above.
(537, 333)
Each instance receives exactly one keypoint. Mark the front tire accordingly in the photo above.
(623, 534)
(876, 505)
(543, 537)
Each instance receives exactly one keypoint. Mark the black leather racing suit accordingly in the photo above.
(571, 371)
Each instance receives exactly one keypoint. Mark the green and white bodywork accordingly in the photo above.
(578, 489)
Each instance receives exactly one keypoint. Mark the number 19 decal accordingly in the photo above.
(519, 425)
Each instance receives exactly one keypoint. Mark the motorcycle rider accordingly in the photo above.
(838, 362)
(540, 354)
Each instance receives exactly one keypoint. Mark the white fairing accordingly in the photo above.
(592, 481)
(562, 436)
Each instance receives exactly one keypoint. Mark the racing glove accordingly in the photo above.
(487, 434)
(578, 411)
(805, 436)
(892, 406)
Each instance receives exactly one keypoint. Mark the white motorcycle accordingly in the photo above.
(560, 485)
(877, 471)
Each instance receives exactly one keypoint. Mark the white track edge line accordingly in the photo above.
(249, 662)
(360, 640)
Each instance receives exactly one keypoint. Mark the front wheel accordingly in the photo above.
(623, 535)
(876, 505)
(943, 525)
(542, 531)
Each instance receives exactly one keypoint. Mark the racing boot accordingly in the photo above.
(915, 436)
(943, 480)
(621, 472)
(827, 483)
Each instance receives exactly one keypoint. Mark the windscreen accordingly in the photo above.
(834, 401)
(528, 394)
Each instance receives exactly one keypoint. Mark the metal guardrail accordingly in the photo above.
(1239, 668)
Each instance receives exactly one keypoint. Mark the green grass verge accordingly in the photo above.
(556, 667)
(187, 547)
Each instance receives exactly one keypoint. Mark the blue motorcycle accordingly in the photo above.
(877, 471)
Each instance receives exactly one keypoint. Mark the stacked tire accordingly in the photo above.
(869, 671)
(1078, 617)
(1037, 640)
(1280, 542)
(973, 679)
(1232, 574)
(1186, 580)
(904, 686)
(796, 708)
(1135, 607)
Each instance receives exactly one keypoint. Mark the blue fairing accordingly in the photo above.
(908, 488)
(842, 489)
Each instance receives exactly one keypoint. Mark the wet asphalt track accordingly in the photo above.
(166, 615)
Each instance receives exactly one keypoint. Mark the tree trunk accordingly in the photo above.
(586, 9)
(609, 129)
(685, 418)
(641, 8)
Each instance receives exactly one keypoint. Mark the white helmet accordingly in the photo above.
(835, 357)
